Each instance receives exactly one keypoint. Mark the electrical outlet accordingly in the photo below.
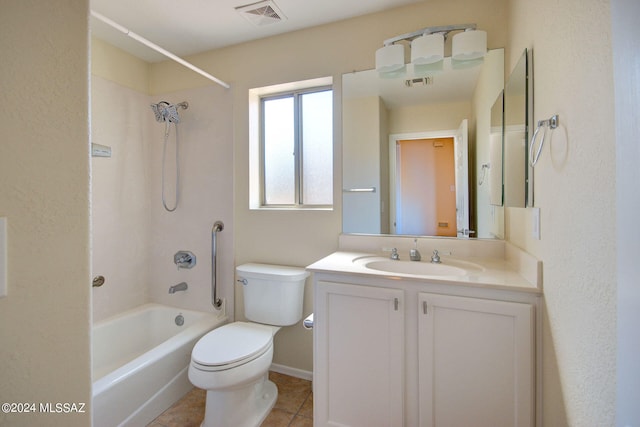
(536, 223)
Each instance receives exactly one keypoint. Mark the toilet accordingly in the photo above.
(232, 362)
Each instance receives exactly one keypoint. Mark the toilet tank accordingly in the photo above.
(273, 294)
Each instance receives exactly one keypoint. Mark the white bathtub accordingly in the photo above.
(140, 361)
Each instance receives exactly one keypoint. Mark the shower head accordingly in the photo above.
(158, 110)
(166, 112)
(171, 114)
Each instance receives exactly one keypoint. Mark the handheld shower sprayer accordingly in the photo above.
(168, 113)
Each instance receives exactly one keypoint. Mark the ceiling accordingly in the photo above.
(186, 27)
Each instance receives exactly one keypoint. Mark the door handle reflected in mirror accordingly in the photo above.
(466, 232)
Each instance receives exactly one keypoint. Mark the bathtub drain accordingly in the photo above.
(179, 320)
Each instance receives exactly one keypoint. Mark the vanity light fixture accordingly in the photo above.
(390, 58)
(427, 47)
(469, 45)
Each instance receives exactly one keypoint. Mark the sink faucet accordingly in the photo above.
(414, 254)
(182, 286)
(435, 258)
(394, 254)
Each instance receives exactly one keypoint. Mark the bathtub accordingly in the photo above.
(140, 362)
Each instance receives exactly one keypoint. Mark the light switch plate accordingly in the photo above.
(3, 257)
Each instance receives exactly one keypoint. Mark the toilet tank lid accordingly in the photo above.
(272, 272)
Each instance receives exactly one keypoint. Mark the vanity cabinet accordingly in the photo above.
(475, 362)
(394, 353)
(359, 357)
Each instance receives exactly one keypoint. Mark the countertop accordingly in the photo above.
(492, 274)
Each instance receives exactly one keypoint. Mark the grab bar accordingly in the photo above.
(215, 301)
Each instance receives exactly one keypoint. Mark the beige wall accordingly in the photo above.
(363, 120)
(428, 117)
(44, 193)
(118, 66)
(385, 195)
(574, 189)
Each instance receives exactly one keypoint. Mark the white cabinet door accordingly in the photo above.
(358, 355)
(476, 362)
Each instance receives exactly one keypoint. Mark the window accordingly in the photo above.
(296, 148)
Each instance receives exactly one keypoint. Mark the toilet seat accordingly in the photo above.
(231, 345)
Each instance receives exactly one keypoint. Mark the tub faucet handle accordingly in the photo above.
(184, 259)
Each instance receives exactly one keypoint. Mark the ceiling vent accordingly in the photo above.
(261, 13)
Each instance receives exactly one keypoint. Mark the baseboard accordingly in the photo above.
(292, 372)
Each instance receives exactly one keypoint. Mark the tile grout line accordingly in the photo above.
(300, 408)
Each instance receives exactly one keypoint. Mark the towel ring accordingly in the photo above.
(551, 123)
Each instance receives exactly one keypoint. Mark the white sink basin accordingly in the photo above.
(418, 268)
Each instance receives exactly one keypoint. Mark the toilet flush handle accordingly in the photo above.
(243, 281)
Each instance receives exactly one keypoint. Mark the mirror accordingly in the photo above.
(413, 149)
(516, 109)
(494, 169)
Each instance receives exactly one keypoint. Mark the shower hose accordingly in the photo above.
(167, 131)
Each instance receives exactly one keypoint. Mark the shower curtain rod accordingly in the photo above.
(157, 48)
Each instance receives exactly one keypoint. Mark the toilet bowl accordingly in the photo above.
(232, 362)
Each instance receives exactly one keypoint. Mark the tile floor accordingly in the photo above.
(294, 407)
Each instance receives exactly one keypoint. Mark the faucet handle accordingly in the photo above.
(184, 259)
(394, 253)
(414, 254)
(435, 258)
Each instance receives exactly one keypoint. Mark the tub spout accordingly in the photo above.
(182, 286)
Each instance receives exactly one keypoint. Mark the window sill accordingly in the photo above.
(292, 208)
